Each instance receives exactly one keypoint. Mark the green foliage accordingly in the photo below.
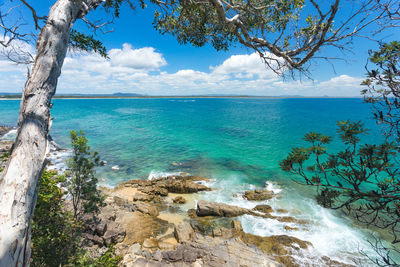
(362, 179)
(54, 237)
(383, 86)
(83, 182)
(108, 259)
(199, 23)
(56, 234)
(86, 43)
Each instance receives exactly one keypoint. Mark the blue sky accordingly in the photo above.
(146, 62)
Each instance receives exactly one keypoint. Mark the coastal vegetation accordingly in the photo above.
(363, 179)
(82, 182)
(66, 206)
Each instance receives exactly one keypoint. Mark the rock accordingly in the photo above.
(134, 249)
(119, 201)
(258, 195)
(107, 213)
(209, 251)
(183, 232)
(115, 233)
(154, 190)
(140, 226)
(282, 211)
(145, 208)
(167, 244)
(178, 186)
(237, 226)
(94, 238)
(288, 228)
(157, 255)
(227, 233)
(101, 227)
(179, 200)
(263, 208)
(206, 208)
(150, 243)
(191, 213)
(143, 197)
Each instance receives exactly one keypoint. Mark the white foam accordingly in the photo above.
(159, 174)
(58, 158)
(330, 235)
(10, 136)
(272, 187)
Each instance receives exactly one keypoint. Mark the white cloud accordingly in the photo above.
(244, 66)
(143, 58)
(140, 71)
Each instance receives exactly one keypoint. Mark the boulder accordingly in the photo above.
(237, 226)
(143, 197)
(115, 233)
(94, 238)
(154, 190)
(167, 244)
(145, 208)
(263, 208)
(101, 227)
(258, 195)
(207, 208)
(184, 232)
(150, 243)
(184, 186)
(107, 213)
(179, 200)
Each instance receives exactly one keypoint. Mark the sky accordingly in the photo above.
(143, 61)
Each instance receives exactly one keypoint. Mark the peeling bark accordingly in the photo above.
(18, 184)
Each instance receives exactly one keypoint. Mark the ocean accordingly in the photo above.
(237, 142)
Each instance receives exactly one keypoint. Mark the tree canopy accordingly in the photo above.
(289, 35)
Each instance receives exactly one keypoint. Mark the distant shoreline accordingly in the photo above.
(171, 97)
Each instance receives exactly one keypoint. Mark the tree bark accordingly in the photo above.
(18, 184)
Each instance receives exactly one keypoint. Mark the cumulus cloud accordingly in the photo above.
(244, 66)
(143, 58)
(140, 70)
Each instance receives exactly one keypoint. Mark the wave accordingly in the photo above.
(159, 174)
(330, 234)
(58, 158)
(10, 136)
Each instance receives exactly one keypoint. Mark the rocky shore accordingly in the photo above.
(162, 222)
(144, 220)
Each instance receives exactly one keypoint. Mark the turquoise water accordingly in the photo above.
(209, 136)
(236, 142)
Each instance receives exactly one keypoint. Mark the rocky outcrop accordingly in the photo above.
(169, 184)
(102, 232)
(206, 251)
(258, 195)
(183, 232)
(263, 208)
(207, 208)
(135, 218)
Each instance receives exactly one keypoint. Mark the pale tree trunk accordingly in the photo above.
(18, 184)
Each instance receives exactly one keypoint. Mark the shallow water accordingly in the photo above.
(236, 142)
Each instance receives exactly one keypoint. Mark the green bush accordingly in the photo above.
(54, 237)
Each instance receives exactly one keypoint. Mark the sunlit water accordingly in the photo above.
(236, 142)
